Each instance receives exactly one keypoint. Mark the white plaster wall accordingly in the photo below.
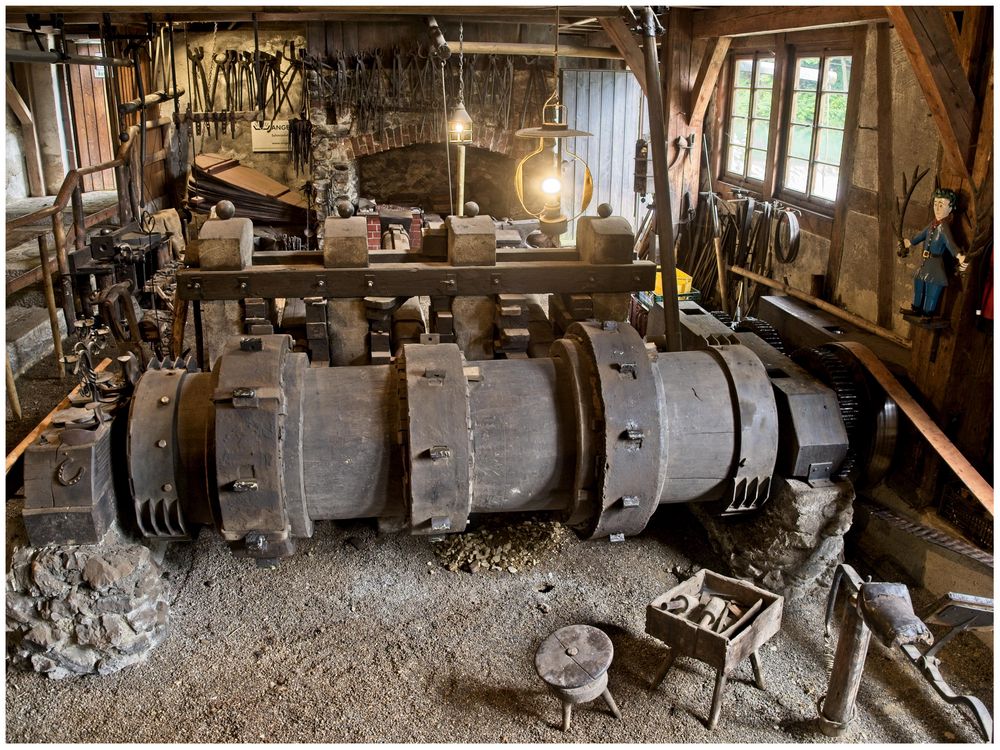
(17, 178)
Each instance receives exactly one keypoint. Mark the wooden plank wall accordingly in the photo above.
(91, 110)
(155, 180)
(606, 103)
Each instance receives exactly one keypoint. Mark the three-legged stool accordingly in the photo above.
(574, 662)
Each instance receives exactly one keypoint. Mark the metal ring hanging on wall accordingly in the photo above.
(787, 253)
(746, 226)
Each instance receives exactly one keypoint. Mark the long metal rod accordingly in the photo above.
(461, 179)
(70, 302)
(447, 146)
(57, 58)
(661, 184)
(822, 305)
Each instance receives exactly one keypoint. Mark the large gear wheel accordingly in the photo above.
(722, 317)
(870, 418)
(763, 330)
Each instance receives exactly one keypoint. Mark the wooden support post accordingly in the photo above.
(837, 708)
(936, 63)
(974, 28)
(708, 76)
(838, 233)
(180, 321)
(886, 180)
(983, 162)
(952, 369)
(15, 402)
(50, 304)
(621, 36)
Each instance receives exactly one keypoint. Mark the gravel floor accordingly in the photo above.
(362, 637)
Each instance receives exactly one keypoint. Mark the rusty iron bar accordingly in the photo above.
(661, 183)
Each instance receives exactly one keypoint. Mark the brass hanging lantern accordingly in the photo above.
(460, 122)
(552, 220)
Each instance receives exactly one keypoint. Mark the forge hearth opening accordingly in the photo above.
(418, 176)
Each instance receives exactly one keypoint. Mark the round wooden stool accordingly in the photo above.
(574, 662)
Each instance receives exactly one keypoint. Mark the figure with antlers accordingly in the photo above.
(932, 277)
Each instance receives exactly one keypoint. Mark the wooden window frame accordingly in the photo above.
(817, 215)
(746, 182)
(783, 193)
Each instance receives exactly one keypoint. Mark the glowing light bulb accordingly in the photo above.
(551, 186)
(459, 127)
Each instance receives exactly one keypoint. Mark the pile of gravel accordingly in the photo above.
(501, 544)
(75, 610)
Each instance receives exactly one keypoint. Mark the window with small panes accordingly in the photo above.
(783, 117)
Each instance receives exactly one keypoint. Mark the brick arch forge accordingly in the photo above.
(497, 140)
(415, 174)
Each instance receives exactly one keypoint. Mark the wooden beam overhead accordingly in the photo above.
(77, 14)
(622, 37)
(763, 19)
(708, 76)
(983, 160)
(974, 29)
(924, 34)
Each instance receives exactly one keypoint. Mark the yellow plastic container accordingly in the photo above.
(683, 283)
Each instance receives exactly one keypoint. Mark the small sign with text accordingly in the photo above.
(272, 136)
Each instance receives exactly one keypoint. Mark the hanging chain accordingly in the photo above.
(461, 64)
(555, 62)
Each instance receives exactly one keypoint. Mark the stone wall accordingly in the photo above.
(277, 166)
(915, 142)
(407, 153)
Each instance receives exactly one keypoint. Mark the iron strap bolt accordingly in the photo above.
(438, 452)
